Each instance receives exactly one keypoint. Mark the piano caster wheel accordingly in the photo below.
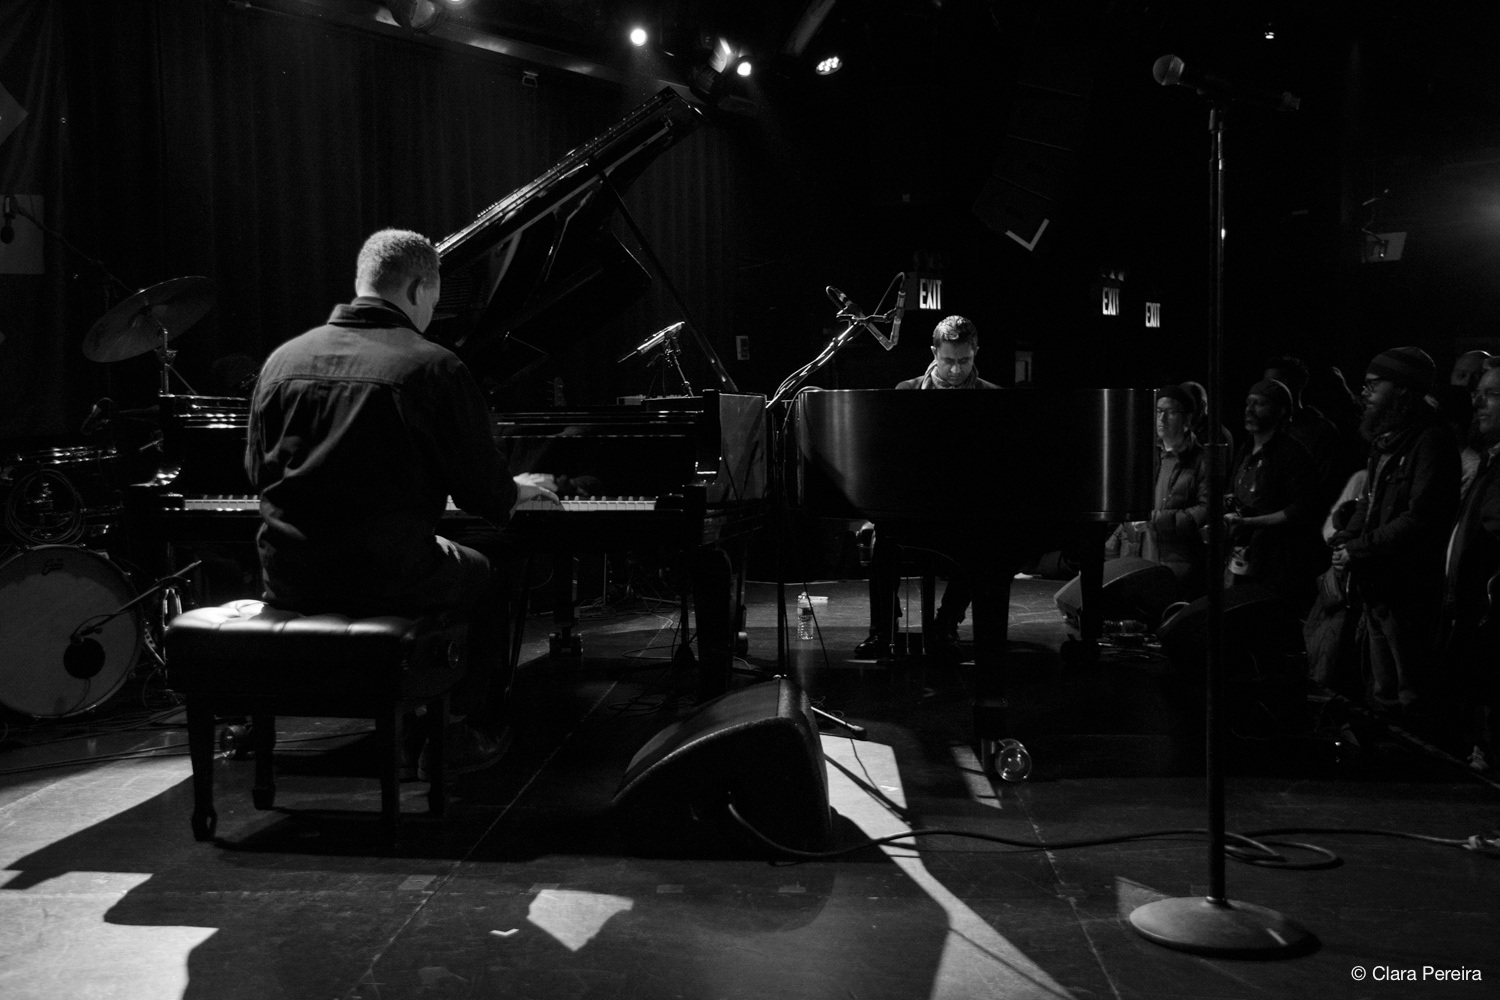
(569, 647)
(742, 644)
(1005, 759)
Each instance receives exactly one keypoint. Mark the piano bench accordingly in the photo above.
(247, 658)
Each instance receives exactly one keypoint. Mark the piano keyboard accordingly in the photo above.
(571, 506)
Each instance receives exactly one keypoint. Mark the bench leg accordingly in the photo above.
(437, 755)
(200, 722)
(263, 737)
(388, 746)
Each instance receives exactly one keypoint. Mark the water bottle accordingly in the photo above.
(804, 616)
(1012, 761)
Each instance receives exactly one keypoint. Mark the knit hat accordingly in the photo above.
(1270, 388)
(1182, 397)
(1408, 366)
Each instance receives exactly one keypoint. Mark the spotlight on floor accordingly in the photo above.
(829, 66)
(638, 37)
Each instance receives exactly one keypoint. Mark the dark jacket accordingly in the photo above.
(1180, 509)
(359, 432)
(1398, 535)
(1474, 560)
(1280, 477)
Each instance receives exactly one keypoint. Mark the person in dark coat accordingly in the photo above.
(360, 430)
(1393, 546)
(1469, 641)
(1180, 504)
(1274, 512)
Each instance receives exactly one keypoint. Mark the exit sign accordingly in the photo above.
(1109, 300)
(1153, 315)
(930, 293)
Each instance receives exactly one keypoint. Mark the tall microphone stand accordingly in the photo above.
(787, 391)
(1215, 924)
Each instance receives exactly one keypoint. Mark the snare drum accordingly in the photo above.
(47, 596)
(62, 494)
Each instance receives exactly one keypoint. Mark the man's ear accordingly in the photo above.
(411, 290)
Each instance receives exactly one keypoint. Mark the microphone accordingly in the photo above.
(100, 416)
(899, 312)
(7, 231)
(1172, 71)
(83, 658)
(650, 342)
(842, 301)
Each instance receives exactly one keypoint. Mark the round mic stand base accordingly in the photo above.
(1222, 927)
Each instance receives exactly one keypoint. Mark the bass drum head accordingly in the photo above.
(47, 593)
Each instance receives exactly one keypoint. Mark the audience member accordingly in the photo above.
(1273, 511)
(1470, 626)
(1393, 545)
(1180, 503)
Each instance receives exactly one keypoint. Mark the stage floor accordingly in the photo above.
(531, 890)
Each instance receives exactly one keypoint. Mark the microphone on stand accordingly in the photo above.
(1170, 71)
(898, 313)
(843, 301)
(652, 341)
(99, 417)
(8, 211)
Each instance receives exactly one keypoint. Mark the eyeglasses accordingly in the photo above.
(1483, 395)
(1165, 411)
(1371, 383)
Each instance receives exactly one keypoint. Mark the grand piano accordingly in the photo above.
(528, 275)
(989, 479)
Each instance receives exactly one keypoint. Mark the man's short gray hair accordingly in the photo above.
(392, 257)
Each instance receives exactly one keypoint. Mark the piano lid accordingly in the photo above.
(541, 263)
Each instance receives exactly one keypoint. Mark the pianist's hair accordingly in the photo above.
(957, 328)
(392, 257)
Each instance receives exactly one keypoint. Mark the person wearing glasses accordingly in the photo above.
(1180, 505)
(1470, 636)
(1393, 546)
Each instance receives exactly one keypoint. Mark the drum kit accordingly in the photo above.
(71, 623)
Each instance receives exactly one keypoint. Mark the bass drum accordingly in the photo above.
(47, 595)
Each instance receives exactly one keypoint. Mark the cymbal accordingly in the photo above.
(134, 326)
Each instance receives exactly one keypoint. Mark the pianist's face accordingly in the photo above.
(955, 359)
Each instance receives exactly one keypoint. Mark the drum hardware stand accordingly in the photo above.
(85, 657)
(165, 355)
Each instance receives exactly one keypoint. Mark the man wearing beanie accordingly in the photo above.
(1393, 546)
(1180, 505)
(1273, 512)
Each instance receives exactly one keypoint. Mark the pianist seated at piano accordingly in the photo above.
(955, 353)
(360, 430)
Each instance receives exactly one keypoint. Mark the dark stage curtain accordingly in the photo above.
(259, 148)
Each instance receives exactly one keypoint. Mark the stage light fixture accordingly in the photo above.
(638, 36)
(743, 69)
(1270, 33)
(829, 66)
(419, 15)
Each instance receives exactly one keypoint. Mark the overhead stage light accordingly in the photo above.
(637, 37)
(829, 66)
(743, 69)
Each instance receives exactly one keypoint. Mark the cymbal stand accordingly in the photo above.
(165, 355)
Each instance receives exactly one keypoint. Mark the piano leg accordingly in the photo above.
(990, 580)
(713, 604)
